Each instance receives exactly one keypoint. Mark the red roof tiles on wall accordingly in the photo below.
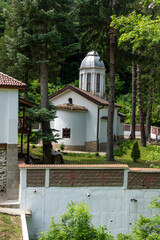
(93, 98)
(7, 81)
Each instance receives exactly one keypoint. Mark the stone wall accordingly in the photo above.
(68, 147)
(107, 189)
(3, 170)
(92, 175)
(35, 178)
(12, 187)
(75, 177)
(91, 146)
(143, 180)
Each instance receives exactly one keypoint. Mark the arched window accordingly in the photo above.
(98, 83)
(70, 100)
(81, 81)
(88, 82)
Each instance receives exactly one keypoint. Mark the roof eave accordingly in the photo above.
(13, 87)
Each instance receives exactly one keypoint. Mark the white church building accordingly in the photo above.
(82, 112)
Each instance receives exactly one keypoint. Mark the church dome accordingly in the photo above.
(92, 60)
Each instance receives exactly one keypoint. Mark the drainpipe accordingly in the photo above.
(98, 128)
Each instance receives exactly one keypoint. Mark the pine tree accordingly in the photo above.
(95, 19)
(135, 154)
(49, 37)
(141, 33)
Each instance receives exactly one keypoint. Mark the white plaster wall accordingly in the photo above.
(94, 72)
(91, 115)
(117, 126)
(76, 121)
(115, 123)
(110, 206)
(8, 116)
(120, 128)
(153, 136)
(103, 131)
(103, 125)
(128, 133)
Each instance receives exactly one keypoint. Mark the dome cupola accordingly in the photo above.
(92, 74)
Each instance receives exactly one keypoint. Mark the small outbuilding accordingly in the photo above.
(82, 112)
(9, 173)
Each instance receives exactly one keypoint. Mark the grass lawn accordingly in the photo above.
(10, 227)
(88, 158)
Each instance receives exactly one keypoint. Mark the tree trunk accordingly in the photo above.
(47, 147)
(26, 89)
(141, 117)
(110, 140)
(149, 112)
(133, 102)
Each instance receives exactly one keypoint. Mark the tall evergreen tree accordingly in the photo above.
(49, 37)
(141, 33)
(95, 19)
(133, 128)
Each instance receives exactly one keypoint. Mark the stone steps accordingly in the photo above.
(10, 204)
(15, 211)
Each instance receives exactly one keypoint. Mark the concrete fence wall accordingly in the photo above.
(155, 131)
(109, 190)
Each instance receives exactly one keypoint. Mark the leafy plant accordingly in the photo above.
(121, 236)
(155, 203)
(135, 154)
(62, 146)
(154, 155)
(75, 224)
(145, 228)
(123, 147)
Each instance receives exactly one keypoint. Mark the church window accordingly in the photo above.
(88, 82)
(98, 83)
(81, 81)
(70, 101)
(66, 132)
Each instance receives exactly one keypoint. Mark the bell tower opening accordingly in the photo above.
(92, 75)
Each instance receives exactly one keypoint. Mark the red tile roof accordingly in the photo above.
(88, 95)
(121, 114)
(71, 166)
(71, 107)
(88, 166)
(104, 117)
(7, 81)
(144, 169)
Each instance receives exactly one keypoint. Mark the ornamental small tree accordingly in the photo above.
(41, 115)
(135, 154)
(75, 224)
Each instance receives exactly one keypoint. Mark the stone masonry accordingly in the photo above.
(12, 186)
(2, 170)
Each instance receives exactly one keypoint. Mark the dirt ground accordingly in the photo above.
(10, 227)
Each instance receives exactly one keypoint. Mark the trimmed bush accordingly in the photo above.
(135, 154)
(62, 146)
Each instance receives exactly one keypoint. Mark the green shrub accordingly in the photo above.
(135, 154)
(123, 147)
(118, 152)
(155, 155)
(33, 146)
(97, 154)
(75, 224)
(121, 236)
(62, 146)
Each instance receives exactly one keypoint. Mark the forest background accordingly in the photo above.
(64, 66)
